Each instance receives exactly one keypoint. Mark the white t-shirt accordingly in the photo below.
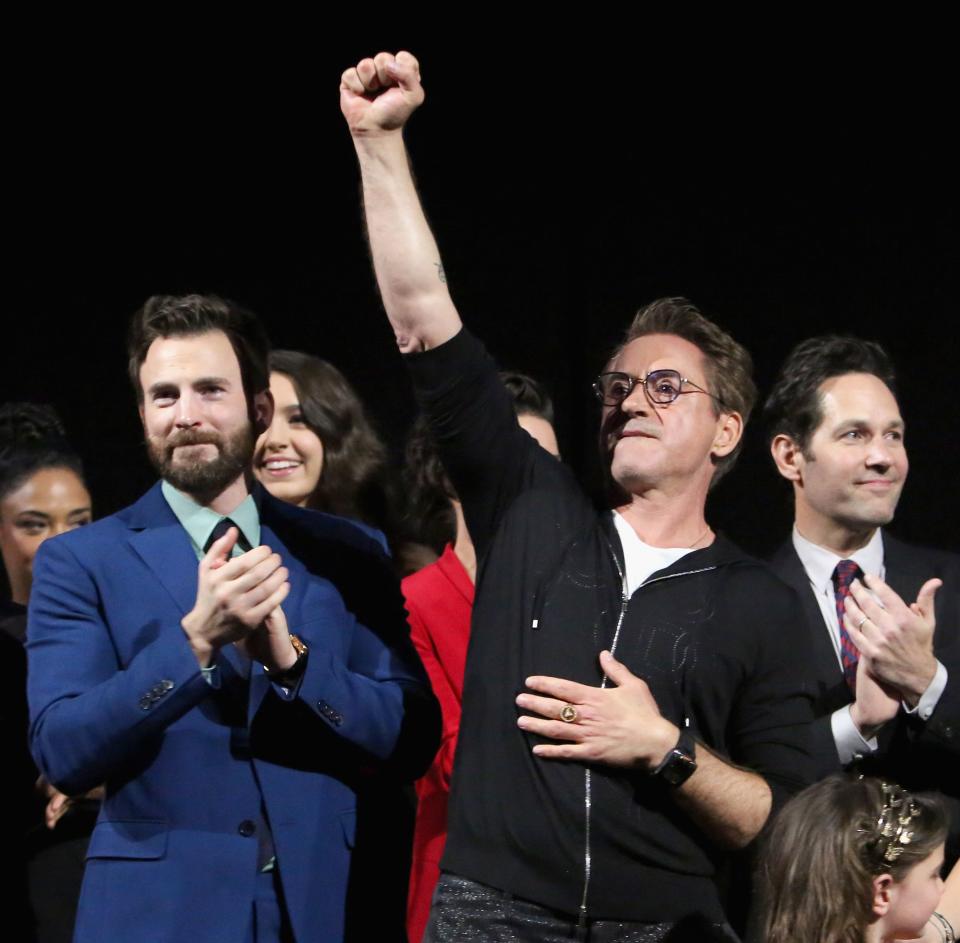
(640, 558)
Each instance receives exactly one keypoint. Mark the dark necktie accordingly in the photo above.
(222, 526)
(846, 572)
(266, 855)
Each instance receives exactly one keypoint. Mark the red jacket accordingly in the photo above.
(439, 602)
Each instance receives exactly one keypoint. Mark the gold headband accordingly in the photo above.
(893, 832)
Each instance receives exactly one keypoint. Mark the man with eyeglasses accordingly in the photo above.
(886, 668)
(660, 713)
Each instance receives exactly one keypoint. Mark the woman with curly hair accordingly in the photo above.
(42, 494)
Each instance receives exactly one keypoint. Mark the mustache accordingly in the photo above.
(638, 427)
(192, 437)
(618, 425)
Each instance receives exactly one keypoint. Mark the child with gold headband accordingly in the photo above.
(855, 861)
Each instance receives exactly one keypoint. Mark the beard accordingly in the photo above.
(200, 478)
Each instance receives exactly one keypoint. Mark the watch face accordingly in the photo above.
(681, 763)
(679, 768)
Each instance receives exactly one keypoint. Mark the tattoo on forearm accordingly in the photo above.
(440, 272)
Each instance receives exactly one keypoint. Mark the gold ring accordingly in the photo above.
(568, 714)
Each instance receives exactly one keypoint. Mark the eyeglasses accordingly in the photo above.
(661, 386)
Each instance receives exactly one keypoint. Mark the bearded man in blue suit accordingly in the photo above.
(233, 668)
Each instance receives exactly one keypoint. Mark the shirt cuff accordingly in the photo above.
(289, 687)
(849, 741)
(211, 675)
(931, 697)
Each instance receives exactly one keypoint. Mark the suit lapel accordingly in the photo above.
(161, 542)
(904, 574)
(786, 564)
(157, 537)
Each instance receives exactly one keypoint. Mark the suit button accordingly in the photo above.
(334, 716)
(246, 828)
(166, 684)
(146, 703)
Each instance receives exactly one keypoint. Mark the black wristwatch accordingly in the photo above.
(680, 763)
(290, 677)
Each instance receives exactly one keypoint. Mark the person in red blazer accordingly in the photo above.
(439, 602)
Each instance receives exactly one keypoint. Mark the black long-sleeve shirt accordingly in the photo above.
(716, 636)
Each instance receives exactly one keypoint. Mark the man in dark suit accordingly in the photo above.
(886, 616)
(232, 667)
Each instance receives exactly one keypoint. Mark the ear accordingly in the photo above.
(140, 411)
(729, 433)
(883, 890)
(262, 411)
(788, 457)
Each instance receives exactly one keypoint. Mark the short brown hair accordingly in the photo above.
(187, 315)
(794, 407)
(729, 366)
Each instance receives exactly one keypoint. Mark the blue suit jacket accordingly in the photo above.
(116, 696)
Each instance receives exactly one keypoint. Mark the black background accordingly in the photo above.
(789, 179)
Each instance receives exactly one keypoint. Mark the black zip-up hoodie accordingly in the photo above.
(716, 636)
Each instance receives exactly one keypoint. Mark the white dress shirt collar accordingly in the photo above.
(820, 563)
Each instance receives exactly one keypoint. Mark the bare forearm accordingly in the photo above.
(405, 254)
(729, 804)
(621, 726)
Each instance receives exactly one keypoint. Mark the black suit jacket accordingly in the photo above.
(921, 755)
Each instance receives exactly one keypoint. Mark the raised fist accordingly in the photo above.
(378, 95)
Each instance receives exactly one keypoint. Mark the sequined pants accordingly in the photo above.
(467, 912)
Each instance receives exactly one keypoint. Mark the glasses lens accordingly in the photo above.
(613, 388)
(663, 386)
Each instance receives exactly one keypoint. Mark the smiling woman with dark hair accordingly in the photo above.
(42, 494)
(321, 450)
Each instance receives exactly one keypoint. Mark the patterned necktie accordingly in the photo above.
(846, 572)
(222, 526)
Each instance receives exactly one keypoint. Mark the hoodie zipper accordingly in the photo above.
(624, 602)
